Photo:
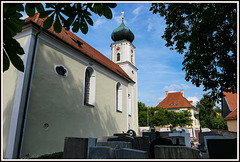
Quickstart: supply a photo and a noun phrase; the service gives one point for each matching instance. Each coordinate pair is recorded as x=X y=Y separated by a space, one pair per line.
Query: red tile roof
x=85 y=48
x=232 y=115
x=232 y=103
x=231 y=99
x=175 y=100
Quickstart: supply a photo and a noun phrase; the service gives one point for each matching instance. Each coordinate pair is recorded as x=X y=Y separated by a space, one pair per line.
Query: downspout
x=28 y=95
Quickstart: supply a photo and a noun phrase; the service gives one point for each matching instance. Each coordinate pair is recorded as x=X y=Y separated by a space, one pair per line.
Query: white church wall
x=10 y=78
x=55 y=108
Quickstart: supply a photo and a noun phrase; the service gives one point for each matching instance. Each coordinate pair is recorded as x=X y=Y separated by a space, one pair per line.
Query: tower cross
x=122 y=14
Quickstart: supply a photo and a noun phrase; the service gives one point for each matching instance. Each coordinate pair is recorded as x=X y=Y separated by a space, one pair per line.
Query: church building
x=68 y=89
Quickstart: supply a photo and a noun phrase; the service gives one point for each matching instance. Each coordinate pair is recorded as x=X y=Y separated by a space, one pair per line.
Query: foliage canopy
x=206 y=33
x=74 y=16
x=208 y=114
x=162 y=117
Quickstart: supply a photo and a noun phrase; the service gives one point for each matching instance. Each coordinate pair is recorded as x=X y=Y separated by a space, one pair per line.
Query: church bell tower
x=122 y=50
x=123 y=54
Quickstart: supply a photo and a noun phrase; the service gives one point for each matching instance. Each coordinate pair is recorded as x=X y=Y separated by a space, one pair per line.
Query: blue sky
x=159 y=68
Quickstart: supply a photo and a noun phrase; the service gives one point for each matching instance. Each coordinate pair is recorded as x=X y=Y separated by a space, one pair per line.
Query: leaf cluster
x=12 y=24
x=206 y=33
x=208 y=116
x=74 y=16
x=162 y=117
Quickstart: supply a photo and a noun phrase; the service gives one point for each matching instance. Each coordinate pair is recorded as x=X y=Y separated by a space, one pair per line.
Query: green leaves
x=208 y=116
x=160 y=117
x=206 y=42
x=48 y=22
x=75 y=15
x=12 y=24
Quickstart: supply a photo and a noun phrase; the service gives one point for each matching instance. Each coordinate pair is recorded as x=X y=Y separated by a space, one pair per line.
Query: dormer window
x=172 y=104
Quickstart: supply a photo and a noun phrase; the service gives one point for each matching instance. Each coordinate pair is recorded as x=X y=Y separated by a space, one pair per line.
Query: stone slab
x=105 y=138
x=91 y=143
x=102 y=152
x=187 y=139
x=175 y=152
x=126 y=153
x=222 y=148
x=141 y=143
x=75 y=148
x=116 y=144
x=215 y=137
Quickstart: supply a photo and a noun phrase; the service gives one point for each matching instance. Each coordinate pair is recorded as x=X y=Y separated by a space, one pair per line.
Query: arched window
x=129 y=105
x=118 y=56
x=118 y=97
x=89 y=88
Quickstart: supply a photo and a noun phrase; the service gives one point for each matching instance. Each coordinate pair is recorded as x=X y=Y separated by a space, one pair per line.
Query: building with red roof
x=230 y=110
x=68 y=89
x=175 y=101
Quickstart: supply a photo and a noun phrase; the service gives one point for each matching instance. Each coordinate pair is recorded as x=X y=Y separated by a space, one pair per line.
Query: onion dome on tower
x=122 y=33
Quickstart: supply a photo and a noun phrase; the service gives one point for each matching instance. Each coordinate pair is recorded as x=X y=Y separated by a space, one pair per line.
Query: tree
x=162 y=117
x=180 y=118
x=74 y=16
x=158 y=117
x=142 y=114
x=206 y=33
x=208 y=116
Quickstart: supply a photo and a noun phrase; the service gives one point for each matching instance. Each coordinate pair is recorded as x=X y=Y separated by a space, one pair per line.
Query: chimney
x=182 y=92
x=166 y=93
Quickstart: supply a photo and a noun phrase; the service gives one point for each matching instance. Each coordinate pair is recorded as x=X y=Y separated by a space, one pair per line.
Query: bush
x=56 y=155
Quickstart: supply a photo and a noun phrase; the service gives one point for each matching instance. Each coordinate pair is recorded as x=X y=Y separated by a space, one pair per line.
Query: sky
x=159 y=68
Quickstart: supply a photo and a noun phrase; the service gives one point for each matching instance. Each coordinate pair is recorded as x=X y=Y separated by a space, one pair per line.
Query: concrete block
x=175 y=152
x=116 y=144
x=141 y=143
x=101 y=152
x=222 y=148
x=126 y=153
x=75 y=148
x=105 y=139
x=187 y=139
x=91 y=143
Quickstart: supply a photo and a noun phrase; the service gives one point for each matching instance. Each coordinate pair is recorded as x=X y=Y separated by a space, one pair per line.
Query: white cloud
x=99 y=22
x=118 y=19
x=194 y=99
x=150 y=26
x=137 y=10
x=174 y=87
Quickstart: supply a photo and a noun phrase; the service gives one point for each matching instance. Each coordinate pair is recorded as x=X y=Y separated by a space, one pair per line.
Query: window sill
x=119 y=111
x=86 y=104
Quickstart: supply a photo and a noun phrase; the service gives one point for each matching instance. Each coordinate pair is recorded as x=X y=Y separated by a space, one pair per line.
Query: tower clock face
x=118 y=48
x=131 y=50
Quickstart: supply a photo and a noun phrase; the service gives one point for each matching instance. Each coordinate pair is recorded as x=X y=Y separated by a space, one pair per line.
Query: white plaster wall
x=58 y=101
x=9 y=87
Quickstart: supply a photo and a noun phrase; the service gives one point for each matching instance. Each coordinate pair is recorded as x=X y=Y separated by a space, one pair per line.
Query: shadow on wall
x=7 y=113
x=56 y=107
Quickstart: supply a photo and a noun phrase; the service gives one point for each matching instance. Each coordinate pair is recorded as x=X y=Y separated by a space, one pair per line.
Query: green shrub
x=56 y=155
